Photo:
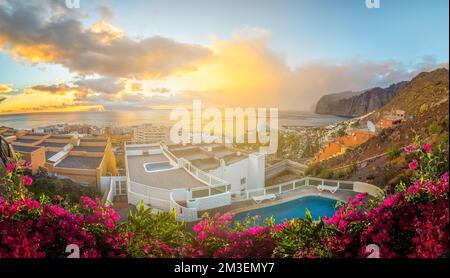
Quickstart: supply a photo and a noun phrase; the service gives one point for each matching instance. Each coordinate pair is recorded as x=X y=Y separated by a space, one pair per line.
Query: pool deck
x=248 y=205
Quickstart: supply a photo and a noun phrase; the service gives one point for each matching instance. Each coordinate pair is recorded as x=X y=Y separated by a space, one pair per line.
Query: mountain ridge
x=360 y=103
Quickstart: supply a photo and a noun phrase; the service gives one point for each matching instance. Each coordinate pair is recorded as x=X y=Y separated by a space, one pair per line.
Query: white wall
x=209 y=202
x=233 y=174
x=256 y=171
x=363 y=187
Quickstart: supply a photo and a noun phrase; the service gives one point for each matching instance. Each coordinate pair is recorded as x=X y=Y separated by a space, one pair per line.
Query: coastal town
x=234 y=137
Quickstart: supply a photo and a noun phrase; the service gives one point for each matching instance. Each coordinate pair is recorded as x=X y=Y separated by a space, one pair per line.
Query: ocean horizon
x=132 y=118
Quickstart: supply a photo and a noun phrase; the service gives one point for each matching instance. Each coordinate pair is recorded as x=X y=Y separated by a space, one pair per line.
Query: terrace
x=192 y=153
x=27 y=149
x=26 y=141
x=93 y=140
x=80 y=162
x=60 y=137
x=52 y=144
x=89 y=149
x=167 y=179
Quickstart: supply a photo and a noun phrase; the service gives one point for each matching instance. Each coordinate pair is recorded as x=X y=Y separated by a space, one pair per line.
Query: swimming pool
x=318 y=206
x=158 y=166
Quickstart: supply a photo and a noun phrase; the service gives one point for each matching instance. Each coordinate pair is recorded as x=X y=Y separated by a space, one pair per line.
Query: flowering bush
x=217 y=237
x=15 y=177
x=413 y=223
x=30 y=229
x=301 y=238
x=411 y=220
x=36 y=229
x=154 y=234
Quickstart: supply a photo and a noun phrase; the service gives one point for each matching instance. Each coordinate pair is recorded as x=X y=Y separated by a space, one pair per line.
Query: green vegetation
x=423 y=91
x=394 y=152
x=148 y=226
x=66 y=188
x=314 y=169
x=340 y=133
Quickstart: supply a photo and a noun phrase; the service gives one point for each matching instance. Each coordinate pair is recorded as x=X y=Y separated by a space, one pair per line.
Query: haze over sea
x=131 y=118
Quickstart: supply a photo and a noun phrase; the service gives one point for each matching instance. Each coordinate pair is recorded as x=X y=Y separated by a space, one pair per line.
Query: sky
x=127 y=55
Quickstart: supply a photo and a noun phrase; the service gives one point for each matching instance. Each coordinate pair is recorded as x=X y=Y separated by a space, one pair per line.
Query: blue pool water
x=158 y=166
x=318 y=206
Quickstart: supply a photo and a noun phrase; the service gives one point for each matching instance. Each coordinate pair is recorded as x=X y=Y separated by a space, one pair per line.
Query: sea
x=132 y=118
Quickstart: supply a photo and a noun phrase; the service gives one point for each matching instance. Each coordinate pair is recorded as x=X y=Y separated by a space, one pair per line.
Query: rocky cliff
x=353 y=104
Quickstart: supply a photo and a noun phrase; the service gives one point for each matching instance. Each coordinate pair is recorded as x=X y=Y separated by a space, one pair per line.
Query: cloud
x=45 y=32
x=104 y=85
x=5 y=88
x=106 y=12
x=57 y=97
x=57 y=89
x=244 y=71
x=160 y=90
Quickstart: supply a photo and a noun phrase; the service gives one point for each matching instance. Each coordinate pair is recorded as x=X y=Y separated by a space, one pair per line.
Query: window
x=243 y=181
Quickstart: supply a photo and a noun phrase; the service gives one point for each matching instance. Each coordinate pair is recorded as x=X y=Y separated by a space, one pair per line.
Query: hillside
x=420 y=94
x=358 y=104
x=378 y=161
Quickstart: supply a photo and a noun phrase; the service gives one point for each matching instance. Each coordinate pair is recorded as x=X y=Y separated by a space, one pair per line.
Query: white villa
x=188 y=178
x=191 y=179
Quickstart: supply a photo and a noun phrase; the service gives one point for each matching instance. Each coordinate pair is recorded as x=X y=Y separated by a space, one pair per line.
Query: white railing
x=151 y=196
x=197 y=173
x=182 y=213
x=310 y=182
x=209 y=202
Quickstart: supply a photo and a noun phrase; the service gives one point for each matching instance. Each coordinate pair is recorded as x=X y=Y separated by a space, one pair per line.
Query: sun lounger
x=332 y=189
x=259 y=199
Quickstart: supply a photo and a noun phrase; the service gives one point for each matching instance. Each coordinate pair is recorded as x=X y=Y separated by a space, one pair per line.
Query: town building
x=148 y=133
x=392 y=119
x=83 y=159
x=340 y=144
x=389 y=121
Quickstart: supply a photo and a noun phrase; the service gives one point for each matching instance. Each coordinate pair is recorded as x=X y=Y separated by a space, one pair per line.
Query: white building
x=190 y=178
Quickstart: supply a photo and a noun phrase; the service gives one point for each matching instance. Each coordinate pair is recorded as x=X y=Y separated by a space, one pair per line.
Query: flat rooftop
x=27 y=149
x=142 y=148
x=8 y=133
x=206 y=164
x=192 y=153
x=168 y=179
x=60 y=137
x=89 y=149
x=80 y=162
x=92 y=139
x=52 y=144
x=203 y=155
x=28 y=141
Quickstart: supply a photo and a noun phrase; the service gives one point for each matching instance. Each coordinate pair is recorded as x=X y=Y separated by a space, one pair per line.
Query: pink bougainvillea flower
x=427 y=148
x=411 y=148
x=413 y=165
x=10 y=166
x=27 y=180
